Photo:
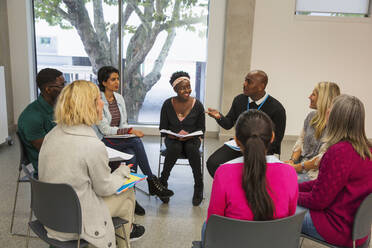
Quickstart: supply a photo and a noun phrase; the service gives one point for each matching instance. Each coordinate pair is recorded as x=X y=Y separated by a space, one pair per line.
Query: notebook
x=232 y=144
x=129 y=183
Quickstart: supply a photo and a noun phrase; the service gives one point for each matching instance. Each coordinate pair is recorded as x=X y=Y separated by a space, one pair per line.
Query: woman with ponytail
x=258 y=187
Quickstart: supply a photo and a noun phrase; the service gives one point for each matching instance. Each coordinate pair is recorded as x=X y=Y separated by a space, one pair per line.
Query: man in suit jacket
x=254 y=96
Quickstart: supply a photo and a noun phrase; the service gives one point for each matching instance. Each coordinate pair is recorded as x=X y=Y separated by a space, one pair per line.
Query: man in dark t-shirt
x=36 y=120
x=254 y=97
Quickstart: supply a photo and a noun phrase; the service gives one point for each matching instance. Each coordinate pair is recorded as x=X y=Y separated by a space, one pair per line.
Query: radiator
x=4 y=133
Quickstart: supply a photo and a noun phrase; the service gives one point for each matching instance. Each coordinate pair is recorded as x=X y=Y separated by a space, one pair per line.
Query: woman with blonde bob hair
x=78 y=104
x=344 y=179
x=306 y=151
x=72 y=153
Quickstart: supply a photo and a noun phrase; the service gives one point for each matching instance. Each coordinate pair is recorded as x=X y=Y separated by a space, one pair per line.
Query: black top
x=193 y=122
x=272 y=107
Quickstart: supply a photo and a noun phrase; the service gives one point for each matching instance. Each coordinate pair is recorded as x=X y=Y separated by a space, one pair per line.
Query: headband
x=179 y=80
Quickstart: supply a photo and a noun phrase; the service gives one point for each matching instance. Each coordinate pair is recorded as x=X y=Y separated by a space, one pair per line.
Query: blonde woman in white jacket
x=71 y=153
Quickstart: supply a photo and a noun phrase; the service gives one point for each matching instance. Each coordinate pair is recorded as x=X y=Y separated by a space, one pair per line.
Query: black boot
x=156 y=188
x=198 y=195
x=139 y=210
x=165 y=184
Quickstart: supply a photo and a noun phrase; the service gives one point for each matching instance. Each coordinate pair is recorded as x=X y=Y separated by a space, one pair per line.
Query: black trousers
x=221 y=156
x=190 y=149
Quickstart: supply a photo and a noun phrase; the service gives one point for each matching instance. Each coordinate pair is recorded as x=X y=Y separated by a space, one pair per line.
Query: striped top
x=115 y=117
x=115 y=113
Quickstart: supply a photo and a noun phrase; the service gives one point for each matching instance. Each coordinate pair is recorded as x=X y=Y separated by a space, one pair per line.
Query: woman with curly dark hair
x=183 y=114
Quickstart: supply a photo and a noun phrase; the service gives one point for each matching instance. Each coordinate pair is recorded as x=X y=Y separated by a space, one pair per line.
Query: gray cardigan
x=104 y=128
x=74 y=155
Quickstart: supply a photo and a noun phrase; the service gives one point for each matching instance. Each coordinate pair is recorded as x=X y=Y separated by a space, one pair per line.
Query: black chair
x=222 y=232
x=25 y=166
x=361 y=226
x=163 y=153
x=57 y=206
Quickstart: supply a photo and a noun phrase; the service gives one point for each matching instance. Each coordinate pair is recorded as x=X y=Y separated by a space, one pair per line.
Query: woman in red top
x=344 y=179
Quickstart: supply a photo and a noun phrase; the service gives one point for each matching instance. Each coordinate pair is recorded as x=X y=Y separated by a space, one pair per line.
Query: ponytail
x=254 y=132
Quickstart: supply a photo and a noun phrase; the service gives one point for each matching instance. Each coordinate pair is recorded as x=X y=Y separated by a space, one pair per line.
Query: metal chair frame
x=71 y=214
x=361 y=226
x=23 y=163
x=163 y=150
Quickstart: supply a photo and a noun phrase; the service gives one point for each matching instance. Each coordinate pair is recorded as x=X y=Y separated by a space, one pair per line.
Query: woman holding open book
x=72 y=154
x=183 y=115
x=114 y=122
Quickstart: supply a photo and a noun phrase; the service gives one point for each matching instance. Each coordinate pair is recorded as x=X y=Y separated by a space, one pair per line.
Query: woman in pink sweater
x=260 y=187
x=344 y=179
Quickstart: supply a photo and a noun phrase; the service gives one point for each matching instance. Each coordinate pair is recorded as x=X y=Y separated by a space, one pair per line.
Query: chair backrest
x=233 y=233
x=23 y=158
x=56 y=206
x=363 y=219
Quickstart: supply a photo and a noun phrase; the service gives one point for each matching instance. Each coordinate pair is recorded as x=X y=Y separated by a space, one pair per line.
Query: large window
x=158 y=37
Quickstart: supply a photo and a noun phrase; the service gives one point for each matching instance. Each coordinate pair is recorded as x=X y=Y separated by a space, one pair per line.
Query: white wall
x=299 y=51
x=216 y=34
x=21 y=50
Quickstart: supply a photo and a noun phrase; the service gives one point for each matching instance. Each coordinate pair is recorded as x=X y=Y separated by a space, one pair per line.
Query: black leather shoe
x=139 y=210
x=198 y=196
x=156 y=188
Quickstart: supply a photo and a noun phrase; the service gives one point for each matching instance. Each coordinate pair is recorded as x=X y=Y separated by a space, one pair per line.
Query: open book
x=134 y=178
x=197 y=133
x=120 y=136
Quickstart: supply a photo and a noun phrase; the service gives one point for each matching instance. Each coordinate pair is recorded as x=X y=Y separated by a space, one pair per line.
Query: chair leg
x=125 y=235
x=28 y=230
x=142 y=190
x=78 y=242
x=159 y=165
x=302 y=240
x=15 y=203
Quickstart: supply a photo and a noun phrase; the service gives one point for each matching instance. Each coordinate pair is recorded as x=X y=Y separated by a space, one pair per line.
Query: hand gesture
x=213 y=113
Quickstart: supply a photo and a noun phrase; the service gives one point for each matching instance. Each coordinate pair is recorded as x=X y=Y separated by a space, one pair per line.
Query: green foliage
x=47 y=10
x=110 y=2
x=131 y=29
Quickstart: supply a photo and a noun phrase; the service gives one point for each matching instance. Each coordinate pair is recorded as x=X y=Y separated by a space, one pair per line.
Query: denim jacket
x=104 y=128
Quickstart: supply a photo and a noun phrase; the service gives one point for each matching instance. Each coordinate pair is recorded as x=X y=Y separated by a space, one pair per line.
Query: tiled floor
x=175 y=224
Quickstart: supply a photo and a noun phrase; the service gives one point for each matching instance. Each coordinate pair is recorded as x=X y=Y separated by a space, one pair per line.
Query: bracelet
x=303 y=166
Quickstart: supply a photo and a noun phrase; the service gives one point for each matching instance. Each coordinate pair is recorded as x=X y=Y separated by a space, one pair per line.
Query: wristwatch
x=303 y=167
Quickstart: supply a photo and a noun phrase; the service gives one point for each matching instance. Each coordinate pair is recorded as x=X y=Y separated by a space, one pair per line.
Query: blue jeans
x=132 y=146
x=308 y=227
